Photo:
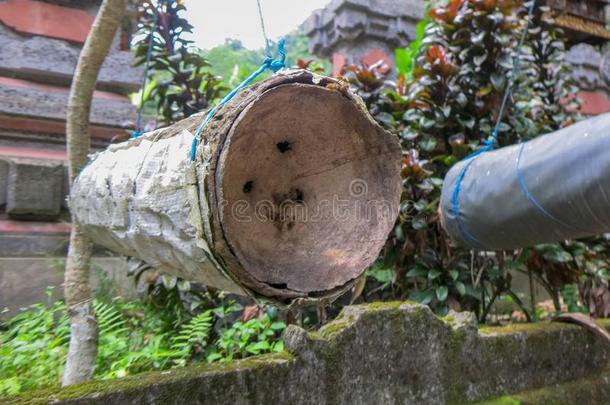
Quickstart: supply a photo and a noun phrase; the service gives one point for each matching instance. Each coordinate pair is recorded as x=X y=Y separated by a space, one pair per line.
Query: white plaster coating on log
x=142 y=201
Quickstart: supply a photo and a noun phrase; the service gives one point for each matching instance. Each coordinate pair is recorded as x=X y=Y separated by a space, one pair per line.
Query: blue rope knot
x=280 y=63
x=275 y=65
x=136 y=134
x=490 y=143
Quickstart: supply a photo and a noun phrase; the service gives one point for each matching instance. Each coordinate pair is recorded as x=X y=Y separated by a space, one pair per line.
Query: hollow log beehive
x=291 y=196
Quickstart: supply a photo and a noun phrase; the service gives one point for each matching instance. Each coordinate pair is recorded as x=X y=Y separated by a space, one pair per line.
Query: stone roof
x=392 y=21
x=584 y=18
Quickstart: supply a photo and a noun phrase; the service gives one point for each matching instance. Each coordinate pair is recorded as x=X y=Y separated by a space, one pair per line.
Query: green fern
x=193 y=335
x=109 y=319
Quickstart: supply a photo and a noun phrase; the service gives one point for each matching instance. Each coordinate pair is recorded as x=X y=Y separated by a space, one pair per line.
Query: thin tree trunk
x=82 y=352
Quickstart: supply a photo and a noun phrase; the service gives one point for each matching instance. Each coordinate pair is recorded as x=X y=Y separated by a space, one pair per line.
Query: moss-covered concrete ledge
x=385 y=353
x=584 y=391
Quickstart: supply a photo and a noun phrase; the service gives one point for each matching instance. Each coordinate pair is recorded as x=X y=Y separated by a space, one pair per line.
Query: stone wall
x=591 y=70
x=385 y=353
x=40 y=42
x=34 y=234
x=53 y=61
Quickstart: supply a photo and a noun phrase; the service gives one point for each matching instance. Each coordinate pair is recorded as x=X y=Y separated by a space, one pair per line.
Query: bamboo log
x=291 y=197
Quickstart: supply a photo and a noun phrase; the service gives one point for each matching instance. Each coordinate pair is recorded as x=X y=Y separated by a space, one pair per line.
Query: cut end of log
x=308 y=188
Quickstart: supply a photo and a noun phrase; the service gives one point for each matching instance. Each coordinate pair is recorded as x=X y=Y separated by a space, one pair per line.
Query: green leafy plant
x=193 y=337
x=405 y=57
x=181 y=83
x=252 y=337
x=442 y=106
x=135 y=337
x=34 y=348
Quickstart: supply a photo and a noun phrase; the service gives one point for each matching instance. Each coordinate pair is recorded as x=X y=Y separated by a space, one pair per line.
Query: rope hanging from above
x=274 y=65
x=263 y=30
x=490 y=142
x=138 y=131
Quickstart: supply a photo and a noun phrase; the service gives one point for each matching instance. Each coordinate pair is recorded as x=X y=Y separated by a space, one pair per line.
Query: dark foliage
x=180 y=81
x=442 y=106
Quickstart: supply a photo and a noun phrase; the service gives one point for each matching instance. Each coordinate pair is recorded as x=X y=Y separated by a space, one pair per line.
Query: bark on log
x=291 y=197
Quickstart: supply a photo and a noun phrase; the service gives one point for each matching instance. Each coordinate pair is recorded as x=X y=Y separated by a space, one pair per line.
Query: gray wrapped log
x=553 y=188
x=291 y=197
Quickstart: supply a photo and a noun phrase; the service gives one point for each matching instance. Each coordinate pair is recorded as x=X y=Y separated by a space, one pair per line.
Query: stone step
x=27 y=129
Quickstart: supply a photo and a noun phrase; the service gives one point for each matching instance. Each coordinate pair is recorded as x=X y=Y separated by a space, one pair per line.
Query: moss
x=147 y=379
x=523 y=328
x=505 y=400
x=594 y=390
x=381 y=305
x=605 y=323
x=457 y=380
x=332 y=329
x=447 y=319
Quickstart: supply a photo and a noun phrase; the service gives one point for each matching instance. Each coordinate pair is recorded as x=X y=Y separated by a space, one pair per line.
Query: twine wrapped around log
x=291 y=196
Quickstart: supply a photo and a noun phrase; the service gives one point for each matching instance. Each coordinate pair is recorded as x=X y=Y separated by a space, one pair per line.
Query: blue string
x=515 y=69
x=138 y=131
x=274 y=65
x=455 y=198
x=489 y=144
x=529 y=195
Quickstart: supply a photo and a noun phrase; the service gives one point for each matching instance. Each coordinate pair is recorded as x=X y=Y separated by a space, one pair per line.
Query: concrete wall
x=40 y=42
x=590 y=68
x=387 y=353
x=25 y=280
x=34 y=234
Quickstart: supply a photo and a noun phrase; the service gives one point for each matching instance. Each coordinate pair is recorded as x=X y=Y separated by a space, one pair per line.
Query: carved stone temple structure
x=366 y=31
x=40 y=42
x=362 y=31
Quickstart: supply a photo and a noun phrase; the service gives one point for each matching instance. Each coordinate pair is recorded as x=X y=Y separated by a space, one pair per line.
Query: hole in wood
x=294 y=195
x=248 y=186
x=299 y=196
x=283 y=146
